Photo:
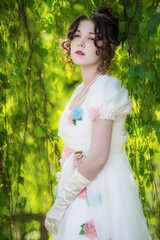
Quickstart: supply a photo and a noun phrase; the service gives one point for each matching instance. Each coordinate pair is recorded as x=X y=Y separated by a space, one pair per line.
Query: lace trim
x=105 y=116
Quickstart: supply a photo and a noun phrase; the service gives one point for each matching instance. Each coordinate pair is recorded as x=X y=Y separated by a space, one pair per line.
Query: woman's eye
x=75 y=35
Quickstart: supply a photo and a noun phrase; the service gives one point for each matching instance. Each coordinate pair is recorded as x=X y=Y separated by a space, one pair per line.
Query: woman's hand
x=77 y=163
x=65 y=197
x=53 y=218
x=78 y=157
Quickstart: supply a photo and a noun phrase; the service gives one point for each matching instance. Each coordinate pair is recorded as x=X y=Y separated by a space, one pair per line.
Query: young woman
x=97 y=193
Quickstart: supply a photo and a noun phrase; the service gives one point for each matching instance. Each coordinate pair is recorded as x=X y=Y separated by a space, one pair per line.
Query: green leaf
x=156 y=125
x=131 y=81
x=10 y=60
x=55 y=131
x=145 y=114
x=6 y=211
x=130 y=12
x=39 y=132
x=140 y=71
x=2 y=52
x=158 y=232
x=148 y=183
x=140 y=91
x=154 y=20
x=142 y=193
x=141 y=171
x=142 y=27
x=45 y=128
x=43 y=52
x=36 y=224
x=83 y=225
x=9 y=163
x=3 y=78
x=150 y=75
x=21 y=180
x=26 y=53
x=122 y=27
x=151 y=177
x=81 y=232
x=11 y=6
x=96 y=2
x=151 y=152
x=2 y=200
x=158 y=63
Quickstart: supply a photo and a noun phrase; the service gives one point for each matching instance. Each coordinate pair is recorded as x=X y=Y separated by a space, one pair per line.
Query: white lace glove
x=75 y=185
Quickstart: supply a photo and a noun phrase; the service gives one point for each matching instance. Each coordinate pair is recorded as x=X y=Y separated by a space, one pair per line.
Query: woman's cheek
x=91 y=48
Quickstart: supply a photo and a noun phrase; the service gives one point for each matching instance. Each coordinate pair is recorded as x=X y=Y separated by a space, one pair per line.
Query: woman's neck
x=89 y=74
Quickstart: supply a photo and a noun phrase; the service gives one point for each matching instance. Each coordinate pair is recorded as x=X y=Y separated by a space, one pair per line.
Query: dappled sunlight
x=35 y=88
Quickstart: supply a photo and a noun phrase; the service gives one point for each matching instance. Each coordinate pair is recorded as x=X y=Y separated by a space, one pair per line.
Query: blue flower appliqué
x=56 y=191
x=95 y=199
x=77 y=114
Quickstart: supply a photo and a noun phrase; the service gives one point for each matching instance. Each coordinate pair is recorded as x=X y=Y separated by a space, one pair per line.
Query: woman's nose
x=81 y=43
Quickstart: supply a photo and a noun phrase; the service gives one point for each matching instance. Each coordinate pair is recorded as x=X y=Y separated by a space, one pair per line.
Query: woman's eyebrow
x=89 y=32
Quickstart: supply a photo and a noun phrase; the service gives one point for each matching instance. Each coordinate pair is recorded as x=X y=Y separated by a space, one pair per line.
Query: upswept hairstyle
x=106 y=28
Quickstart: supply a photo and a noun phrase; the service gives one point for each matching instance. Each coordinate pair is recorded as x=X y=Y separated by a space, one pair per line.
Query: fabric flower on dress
x=78 y=155
x=58 y=176
x=83 y=193
x=56 y=191
x=88 y=229
x=62 y=160
x=67 y=151
x=69 y=118
x=94 y=113
x=96 y=199
x=87 y=202
x=75 y=114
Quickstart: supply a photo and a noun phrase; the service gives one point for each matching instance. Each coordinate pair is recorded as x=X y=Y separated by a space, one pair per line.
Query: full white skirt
x=113 y=203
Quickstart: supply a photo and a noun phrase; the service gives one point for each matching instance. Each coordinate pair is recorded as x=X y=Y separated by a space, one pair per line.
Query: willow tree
x=35 y=88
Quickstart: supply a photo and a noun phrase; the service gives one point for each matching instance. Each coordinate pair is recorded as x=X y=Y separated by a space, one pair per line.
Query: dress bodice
x=113 y=102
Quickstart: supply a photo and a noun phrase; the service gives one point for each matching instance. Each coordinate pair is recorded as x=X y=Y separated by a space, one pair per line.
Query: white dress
x=113 y=201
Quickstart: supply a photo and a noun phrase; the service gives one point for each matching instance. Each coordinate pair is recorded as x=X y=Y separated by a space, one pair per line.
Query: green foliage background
x=34 y=89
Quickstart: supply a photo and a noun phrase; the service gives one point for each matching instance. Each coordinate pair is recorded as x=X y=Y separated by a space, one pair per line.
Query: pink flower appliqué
x=58 y=176
x=65 y=154
x=67 y=149
x=83 y=193
x=78 y=155
x=69 y=118
x=94 y=112
x=62 y=160
x=89 y=229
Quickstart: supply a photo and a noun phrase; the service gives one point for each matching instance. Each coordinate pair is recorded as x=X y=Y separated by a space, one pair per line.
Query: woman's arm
x=100 y=149
x=90 y=167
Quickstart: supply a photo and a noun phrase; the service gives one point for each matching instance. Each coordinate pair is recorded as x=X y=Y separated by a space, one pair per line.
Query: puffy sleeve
x=107 y=99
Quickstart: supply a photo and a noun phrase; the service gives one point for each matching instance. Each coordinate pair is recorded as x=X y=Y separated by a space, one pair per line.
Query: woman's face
x=83 y=40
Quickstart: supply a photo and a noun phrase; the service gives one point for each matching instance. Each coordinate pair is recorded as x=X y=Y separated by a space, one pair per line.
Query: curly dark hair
x=106 y=28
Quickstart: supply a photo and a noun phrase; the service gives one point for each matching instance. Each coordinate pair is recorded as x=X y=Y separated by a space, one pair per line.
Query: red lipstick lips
x=80 y=53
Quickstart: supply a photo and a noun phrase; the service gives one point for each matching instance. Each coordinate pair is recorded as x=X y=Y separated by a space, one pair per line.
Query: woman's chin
x=79 y=62
x=84 y=64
